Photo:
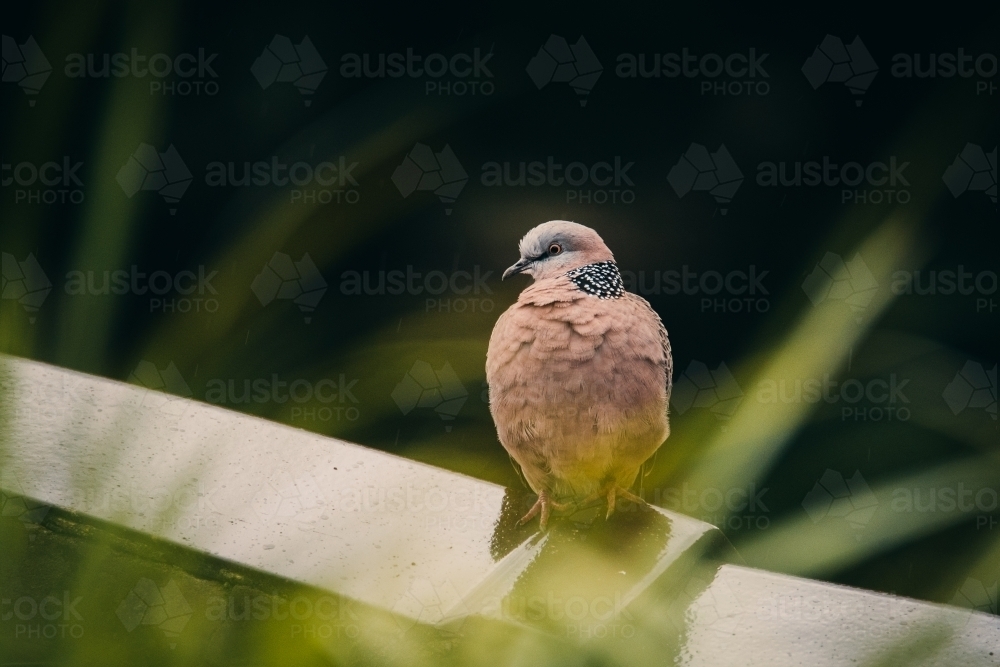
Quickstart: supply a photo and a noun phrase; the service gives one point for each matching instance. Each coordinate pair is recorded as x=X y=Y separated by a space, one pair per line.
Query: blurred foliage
x=785 y=448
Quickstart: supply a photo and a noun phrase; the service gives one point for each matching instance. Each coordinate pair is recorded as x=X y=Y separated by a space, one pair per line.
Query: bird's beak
x=518 y=267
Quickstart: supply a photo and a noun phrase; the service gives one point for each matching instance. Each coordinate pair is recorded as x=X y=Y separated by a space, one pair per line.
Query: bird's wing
x=611 y=354
x=668 y=358
x=649 y=319
x=517 y=469
x=511 y=331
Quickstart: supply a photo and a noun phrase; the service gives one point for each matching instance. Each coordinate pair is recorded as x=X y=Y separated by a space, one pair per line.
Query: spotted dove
x=579 y=373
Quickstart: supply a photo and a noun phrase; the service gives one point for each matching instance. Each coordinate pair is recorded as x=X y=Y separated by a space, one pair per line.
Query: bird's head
x=557 y=246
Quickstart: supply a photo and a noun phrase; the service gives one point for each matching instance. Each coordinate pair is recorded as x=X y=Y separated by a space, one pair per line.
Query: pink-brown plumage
x=578 y=384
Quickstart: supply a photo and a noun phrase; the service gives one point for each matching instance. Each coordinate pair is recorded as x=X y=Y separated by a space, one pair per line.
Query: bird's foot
x=544 y=506
x=611 y=494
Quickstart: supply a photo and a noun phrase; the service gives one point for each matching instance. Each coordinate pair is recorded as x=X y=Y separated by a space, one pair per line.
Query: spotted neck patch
x=600 y=279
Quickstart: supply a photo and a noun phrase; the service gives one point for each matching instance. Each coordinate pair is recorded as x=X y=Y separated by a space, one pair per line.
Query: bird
x=579 y=373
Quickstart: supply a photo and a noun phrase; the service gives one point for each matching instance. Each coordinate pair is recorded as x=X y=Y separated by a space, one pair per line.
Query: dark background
x=651 y=122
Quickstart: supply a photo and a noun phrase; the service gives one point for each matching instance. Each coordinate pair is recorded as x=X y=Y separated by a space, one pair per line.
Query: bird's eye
x=555 y=249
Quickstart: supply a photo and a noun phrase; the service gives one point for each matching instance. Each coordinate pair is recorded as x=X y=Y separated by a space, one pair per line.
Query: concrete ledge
x=431 y=547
